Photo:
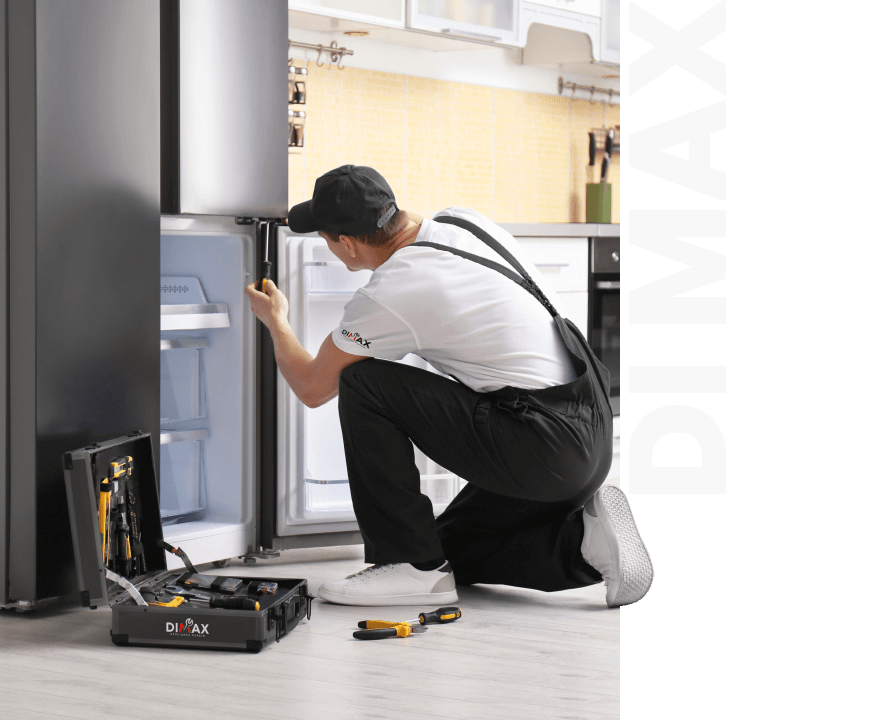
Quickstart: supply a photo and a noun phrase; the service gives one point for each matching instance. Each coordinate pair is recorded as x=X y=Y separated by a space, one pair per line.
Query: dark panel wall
x=21 y=148
x=4 y=289
x=93 y=174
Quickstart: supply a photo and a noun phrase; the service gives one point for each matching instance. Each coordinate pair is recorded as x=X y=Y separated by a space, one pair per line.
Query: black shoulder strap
x=523 y=279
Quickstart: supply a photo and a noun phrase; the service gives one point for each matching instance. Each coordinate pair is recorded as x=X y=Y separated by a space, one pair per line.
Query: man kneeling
x=526 y=419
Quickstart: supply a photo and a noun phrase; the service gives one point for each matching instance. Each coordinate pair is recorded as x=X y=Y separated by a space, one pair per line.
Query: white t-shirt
x=467 y=320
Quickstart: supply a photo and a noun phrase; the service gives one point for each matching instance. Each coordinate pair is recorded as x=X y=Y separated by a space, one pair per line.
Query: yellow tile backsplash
x=514 y=156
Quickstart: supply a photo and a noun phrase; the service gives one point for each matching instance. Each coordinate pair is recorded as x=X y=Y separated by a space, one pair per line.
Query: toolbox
x=113 y=497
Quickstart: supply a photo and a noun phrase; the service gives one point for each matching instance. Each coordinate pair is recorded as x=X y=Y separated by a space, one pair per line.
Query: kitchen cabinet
x=562 y=266
x=390 y=13
x=585 y=7
x=609 y=50
x=560 y=15
x=493 y=20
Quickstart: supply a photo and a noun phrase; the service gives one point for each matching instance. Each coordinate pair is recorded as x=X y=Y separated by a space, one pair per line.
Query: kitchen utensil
x=609 y=148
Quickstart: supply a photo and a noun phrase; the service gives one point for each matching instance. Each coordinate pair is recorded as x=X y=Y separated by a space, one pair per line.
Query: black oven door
x=603 y=309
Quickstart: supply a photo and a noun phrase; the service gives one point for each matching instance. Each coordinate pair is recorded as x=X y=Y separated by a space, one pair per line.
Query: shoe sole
x=628 y=551
x=386 y=600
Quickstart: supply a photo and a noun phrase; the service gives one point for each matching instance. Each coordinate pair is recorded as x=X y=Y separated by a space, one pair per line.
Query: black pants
x=529 y=472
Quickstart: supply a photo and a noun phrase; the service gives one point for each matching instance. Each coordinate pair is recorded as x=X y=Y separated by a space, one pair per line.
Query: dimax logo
x=186 y=629
x=356 y=338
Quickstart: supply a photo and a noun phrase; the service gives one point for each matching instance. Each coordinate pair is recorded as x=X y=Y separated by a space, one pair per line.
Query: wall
x=514 y=156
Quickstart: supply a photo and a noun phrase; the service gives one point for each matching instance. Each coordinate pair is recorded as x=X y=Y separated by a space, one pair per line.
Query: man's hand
x=270 y=307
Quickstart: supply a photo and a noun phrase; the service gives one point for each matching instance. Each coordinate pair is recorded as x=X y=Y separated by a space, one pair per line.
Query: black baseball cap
x=349 y=200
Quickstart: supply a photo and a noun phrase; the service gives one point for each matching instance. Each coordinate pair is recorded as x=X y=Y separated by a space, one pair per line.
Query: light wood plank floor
x=513 y=654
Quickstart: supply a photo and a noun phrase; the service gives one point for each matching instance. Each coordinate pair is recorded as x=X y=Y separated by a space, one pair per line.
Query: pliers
x=378 y=629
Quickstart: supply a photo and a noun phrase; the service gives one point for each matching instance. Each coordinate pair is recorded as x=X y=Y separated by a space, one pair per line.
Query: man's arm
x=314 y=381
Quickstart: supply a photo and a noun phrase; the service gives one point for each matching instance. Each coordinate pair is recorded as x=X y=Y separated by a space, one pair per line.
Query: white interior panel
x=206 y=474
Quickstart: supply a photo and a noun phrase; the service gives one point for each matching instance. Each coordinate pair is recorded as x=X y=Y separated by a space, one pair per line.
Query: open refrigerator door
x=313 y=496
x=207 y=426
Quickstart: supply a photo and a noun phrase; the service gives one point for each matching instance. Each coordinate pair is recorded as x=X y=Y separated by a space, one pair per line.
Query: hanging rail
x=592 y=89
x=336 y=53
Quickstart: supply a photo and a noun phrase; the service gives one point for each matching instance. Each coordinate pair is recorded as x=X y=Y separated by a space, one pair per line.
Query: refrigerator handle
x=267 y=403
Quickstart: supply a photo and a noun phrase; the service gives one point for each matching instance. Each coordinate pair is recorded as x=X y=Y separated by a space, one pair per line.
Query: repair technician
x=523 y=414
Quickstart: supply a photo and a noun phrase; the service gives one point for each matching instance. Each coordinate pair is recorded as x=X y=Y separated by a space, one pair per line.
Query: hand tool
x=122 y=468
x=592 y=155
x=123 y=551
x=379 y=629
x=439 y=616
x=140 y=564
x=609 y=147
x=188 y=594
x=104 y=517
x=212 y=582
x=267 y=265
x=174 y=602
x=237 y=602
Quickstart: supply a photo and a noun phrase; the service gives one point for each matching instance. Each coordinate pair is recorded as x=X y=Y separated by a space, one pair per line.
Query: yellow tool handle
x=176 y=602
x=102 y=520
x=128 y=548
x=378 y=624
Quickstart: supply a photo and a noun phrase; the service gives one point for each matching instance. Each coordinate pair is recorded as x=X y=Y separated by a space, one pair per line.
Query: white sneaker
x=613 y=546
x=395 y=584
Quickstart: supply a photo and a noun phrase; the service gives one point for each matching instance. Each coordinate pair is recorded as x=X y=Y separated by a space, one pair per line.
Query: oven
x=603 y=308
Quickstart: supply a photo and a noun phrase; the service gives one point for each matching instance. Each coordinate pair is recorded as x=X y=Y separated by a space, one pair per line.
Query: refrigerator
x=124 y=284
x=245 y=469
x=79 y=209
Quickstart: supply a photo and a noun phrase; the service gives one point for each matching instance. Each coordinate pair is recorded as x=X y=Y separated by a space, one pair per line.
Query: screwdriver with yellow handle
x=378 y=629
x=262 y=286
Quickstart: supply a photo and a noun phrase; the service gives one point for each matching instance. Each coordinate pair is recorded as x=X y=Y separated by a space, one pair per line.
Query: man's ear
x=350 y=246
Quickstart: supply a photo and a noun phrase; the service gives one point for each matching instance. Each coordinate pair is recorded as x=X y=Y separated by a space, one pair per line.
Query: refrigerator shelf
x=183 y=343
x=167 y=438
x=194 y=317
x=328 y=277
x=315 y=481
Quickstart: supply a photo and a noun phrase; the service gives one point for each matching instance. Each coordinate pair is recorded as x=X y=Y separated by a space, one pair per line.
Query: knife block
x=598 y=202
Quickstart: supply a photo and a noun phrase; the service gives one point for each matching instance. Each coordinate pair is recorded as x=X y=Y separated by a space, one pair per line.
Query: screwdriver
x=439 y=616
x=267 y=264
x=235 y=602
x=378 y=629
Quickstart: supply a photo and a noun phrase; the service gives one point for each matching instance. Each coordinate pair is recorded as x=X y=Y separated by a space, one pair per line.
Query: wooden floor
x=513 y=654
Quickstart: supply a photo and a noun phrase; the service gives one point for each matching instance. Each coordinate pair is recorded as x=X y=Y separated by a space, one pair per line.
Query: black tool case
x=192 y=625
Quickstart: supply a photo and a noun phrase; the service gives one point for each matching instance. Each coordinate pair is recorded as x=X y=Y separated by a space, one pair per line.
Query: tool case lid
x=84 y=469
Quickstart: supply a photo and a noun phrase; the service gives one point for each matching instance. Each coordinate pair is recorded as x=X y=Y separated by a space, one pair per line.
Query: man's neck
x=405 y=236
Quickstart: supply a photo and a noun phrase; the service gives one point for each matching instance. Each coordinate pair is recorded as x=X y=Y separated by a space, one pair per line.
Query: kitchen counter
x=562 y=229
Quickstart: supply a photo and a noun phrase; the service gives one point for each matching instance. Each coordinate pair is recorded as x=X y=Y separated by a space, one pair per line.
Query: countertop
x=562 y=229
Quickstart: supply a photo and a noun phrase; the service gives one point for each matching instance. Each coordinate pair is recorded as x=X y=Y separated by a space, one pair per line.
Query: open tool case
x=140 y=567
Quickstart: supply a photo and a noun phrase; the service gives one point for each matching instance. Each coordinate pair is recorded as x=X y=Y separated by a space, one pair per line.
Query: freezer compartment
x=206 y=452
x=313 y=484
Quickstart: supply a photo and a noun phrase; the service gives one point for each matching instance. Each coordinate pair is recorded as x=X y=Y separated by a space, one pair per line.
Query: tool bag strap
x=485 y=237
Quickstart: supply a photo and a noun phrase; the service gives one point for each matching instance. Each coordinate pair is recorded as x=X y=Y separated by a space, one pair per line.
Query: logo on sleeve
x=356 y=338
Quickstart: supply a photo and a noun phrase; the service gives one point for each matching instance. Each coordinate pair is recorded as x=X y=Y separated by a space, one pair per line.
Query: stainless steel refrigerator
x=245 y=468
x=124 y=305
x=79 y=208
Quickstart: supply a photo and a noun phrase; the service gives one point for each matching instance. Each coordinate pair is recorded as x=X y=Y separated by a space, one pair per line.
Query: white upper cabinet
x=586 y=7
x=610 y=46
x=488 y=20
x=382 y=12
